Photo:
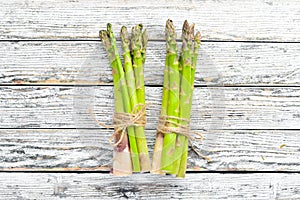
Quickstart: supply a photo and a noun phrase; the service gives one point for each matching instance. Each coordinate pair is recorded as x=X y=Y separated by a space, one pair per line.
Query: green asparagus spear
x=185 y=90
x=139 y=56
x=183 y=162
x=173 y=100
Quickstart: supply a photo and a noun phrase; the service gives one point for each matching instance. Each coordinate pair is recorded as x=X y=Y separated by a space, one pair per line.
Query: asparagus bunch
x=170 y=152
x=131 y=153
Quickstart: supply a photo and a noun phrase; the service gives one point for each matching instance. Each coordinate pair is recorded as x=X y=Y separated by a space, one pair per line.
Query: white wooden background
x=53 y=69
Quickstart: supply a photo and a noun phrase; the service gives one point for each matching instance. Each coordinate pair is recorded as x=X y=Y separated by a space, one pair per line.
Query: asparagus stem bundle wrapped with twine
x=130 y=146
x=173 y=131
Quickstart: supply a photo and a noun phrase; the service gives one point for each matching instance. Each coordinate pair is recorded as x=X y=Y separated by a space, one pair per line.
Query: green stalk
x=185 y=91
x=126 y=101
x=138 y=44
x=183 y=162
x=173 y=100
x=122 y=160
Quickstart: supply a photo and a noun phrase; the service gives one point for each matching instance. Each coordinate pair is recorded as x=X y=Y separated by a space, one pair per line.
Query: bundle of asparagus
x=171 y=147
x=130 y=147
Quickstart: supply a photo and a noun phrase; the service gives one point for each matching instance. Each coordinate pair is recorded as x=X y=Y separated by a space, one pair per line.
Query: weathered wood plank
x=147 y=186
x=86 y=63
x=86 y=149
x=218 y=20
x=213 y=107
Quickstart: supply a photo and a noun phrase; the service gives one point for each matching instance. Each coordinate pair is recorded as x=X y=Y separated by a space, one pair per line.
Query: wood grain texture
x=87 y=63
x=218 y=20
x=104 y=186
x=87 y=149
x=213 y=107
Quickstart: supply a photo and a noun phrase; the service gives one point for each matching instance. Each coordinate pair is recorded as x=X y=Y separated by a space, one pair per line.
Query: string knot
x=124 y=120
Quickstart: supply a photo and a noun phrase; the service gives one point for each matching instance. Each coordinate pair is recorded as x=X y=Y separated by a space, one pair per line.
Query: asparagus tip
x=109 y=27
x=137 y=28
x=124 y=32
x=169 y=25
x=191 y=31
x=124 y=36
x=137 y=37
x=103 y=34
x=198 y=37
x=170 y=30
x=185 y=25
x=185 y=33
x=124 y=28
x=192 y=28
